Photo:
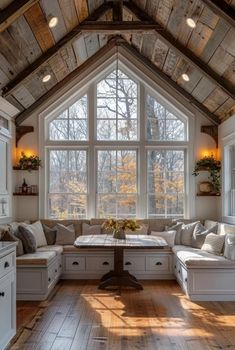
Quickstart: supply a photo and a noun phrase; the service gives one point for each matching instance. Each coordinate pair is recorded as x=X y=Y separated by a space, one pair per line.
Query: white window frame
x=145 y=85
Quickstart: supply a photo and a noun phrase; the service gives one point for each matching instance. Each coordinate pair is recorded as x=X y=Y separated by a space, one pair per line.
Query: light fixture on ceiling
x=52 y=21
x=46 y=78
x=185 y=77
x=190 y=22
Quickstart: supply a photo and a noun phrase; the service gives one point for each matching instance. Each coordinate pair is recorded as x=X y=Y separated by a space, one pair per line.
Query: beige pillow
x=229 y=246
x=169 y=236
x=91 y=229
x=187 y=233
x=65 y=234
x=9 y=236
x=200 y=233
x=37 y=231
x=213 y=244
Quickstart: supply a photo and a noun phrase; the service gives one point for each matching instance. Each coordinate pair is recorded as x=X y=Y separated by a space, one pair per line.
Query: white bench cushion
x=37 y=258
x=193 y=257
x=58 y=249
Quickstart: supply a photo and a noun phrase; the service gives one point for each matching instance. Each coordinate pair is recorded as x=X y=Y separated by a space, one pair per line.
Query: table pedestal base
x=119 y=277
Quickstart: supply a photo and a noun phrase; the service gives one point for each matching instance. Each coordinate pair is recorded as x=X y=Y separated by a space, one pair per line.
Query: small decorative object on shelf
x=28 y=163
x=24 y=187
x=213 y=166
x=206 y=187
x=119 y=226
x=26 y=190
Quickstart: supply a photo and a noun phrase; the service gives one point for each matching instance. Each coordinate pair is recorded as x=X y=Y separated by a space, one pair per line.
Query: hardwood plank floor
x=78 y=316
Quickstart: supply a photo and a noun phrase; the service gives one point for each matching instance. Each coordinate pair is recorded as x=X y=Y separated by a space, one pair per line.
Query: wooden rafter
x=222 y=9
x=97 y=56
x=118 y=27
x=117 y=10
x=183 y=51
x=13 y=11
x=54 y=49
x=155 y=70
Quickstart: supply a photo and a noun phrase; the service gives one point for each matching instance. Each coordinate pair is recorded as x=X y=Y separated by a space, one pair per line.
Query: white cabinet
x=7 y=294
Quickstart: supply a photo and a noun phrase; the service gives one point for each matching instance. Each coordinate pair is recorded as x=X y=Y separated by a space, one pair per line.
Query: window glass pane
x=166 y=183
x=117 y=100
x=162 y=125
x=67 y=183
x=70 y=124
x=116 y=183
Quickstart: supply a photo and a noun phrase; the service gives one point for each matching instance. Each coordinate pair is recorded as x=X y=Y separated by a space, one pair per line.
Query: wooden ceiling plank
x=92 y=44
x=103 y=39
x=221 y=60
x=137 y=40
x=170 y=62
x=176 y=17
x=186 y=53
x=195 y=77
x=7 y=68
x=203 y=89
x=181 y=67
x=148 y=45
x=118 y=27
x=13 y=11
x=35 y=86
x=3 y=79
x=80 y=50
x=223 y=110
x=229 y=73
x=151 y=7
x=215 y=100
x=69 y=13
x=23 y=35
x=23 y=96
x=78 y=71
x=53 y=50
x=222 y=9
x=155 y=70
x=199 y=38
x=82 y=9
x=59 y=67
x=93 y=5
x=15 y=103
x=163 y=12
x=38 y=23
x=68 y=55
x=160 y=53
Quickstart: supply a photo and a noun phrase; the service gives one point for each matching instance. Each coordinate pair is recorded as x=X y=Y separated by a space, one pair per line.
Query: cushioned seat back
x=209 y=224
x=223 y=229
x=77 y=224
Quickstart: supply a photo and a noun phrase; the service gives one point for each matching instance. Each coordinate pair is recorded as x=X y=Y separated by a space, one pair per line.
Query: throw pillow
x=169 y=236
x=28 y=239
x=187 y=233
x=213 y=244
x=91 y=229
x=65 y=234
x=200 y=233
x=229 y=246
x=176 y=227
x=10 y=237
x=50 y=234
x=37 y=230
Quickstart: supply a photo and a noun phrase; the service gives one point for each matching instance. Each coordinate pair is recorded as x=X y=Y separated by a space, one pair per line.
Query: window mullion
x=92 y=157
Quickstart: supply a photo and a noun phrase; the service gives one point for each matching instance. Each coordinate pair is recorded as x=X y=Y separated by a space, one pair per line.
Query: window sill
x=229 y=220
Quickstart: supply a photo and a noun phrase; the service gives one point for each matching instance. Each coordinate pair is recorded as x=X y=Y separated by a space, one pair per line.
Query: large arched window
x=117 y=150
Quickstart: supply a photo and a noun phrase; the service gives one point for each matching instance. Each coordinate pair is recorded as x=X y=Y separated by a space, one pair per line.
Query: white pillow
x=213 y=244
x=65 y=234
x=37 y=231
x=229 y=246
x=91 y=229
x=169 y=236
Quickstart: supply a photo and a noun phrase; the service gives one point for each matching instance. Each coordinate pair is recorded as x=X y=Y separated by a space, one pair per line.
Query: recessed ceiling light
x=46 y=78
x=191 y=23
x=185 y=77
x=52 y=21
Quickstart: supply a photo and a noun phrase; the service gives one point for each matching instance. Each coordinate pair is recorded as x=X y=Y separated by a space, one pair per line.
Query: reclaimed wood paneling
x=35 y=85
x=68 y=55
x=103 y=39
x=92 y=44
x=79 y=47
x=44 y=70
x=93 y=5
x=194 y=75
x=229 y=74
x=229 y=42
x=23 y=35
x=209 y=18
x=224 y=109
x=180 y=68
x=170 y=62
x=69 y=13
x=203 y=89
x=14 y=102
x=3 y=79
x=177 y=16
x=5 y=3
x=151 y=7
x=163 y=12
x=221 y=60
x=39 y=26
x=6 y=67
x=127 y=16
x=160 y=53
x=23 y=96
x=137 y=40
x=148 y=44
x=59 y=67
x=53 y=8
x=215 y=99
x=82 y=9
x=199 y=38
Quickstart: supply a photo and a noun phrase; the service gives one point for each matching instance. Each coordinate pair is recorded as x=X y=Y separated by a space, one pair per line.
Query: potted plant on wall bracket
x=28 y=162
x=213 y=166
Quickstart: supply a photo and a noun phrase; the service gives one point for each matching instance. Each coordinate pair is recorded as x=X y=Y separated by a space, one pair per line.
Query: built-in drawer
x=136 y=263
x=99 y=263
x=74 y=263
x=7 y=262
x=158 y=263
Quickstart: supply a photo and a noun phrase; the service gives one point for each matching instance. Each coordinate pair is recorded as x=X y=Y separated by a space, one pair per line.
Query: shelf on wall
x=25 y=194
x=208 y=195
x=18 y=168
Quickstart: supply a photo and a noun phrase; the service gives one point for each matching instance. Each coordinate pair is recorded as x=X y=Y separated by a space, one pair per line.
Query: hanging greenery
x=213 y=166
x=29 y=163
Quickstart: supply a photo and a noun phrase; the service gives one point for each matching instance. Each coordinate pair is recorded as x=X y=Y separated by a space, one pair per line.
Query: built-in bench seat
x=39 y=258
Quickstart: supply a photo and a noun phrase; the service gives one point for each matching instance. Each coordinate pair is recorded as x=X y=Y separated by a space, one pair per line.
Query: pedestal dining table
x=120 y=277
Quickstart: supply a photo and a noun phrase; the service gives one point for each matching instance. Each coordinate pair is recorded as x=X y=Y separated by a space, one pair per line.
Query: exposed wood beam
x=74 y=74
x=54 y=49
x=117 y=10
x=13 y=11
x=211 y=130
x=222 y=9
x=183 y=51
x=154 y=70
x=118 y=27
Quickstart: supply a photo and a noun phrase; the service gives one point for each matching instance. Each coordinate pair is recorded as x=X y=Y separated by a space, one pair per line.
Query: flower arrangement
x=213 y=166
x=29 y=163
x=118 y=226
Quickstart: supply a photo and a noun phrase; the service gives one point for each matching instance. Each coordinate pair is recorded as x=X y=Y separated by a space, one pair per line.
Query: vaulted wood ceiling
x=29 y=49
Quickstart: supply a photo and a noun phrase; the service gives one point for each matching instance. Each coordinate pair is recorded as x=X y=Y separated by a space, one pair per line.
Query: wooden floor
x=78 y=316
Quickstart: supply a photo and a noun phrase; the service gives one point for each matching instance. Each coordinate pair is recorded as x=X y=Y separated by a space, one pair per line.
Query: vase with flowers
x=119 y=226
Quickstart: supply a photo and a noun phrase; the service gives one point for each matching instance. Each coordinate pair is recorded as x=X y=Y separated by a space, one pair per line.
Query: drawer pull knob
x=60 y=265
x=55 y=271
x=49 y=279
x=186 y=280
x=178 y=271
x=2 y=294
x=6 y=264
x=75 y=263
x=128 y=263
x=158 y=263
x=175 y=266
x=105 y=263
